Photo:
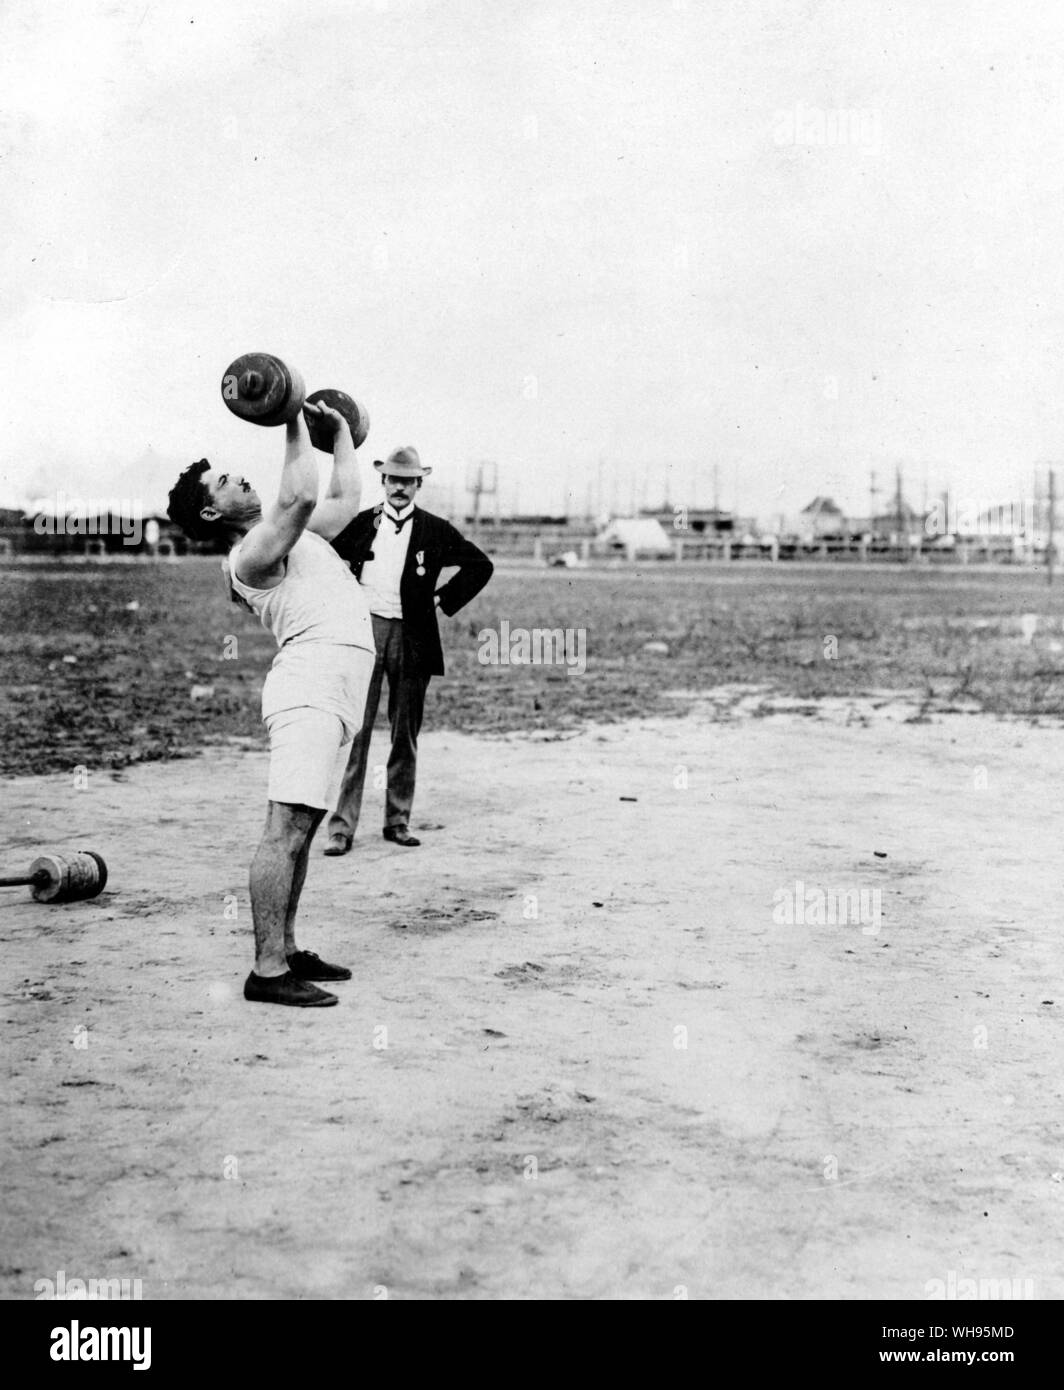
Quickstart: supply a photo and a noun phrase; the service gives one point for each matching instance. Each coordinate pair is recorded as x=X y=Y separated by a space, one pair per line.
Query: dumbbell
x=261 y=389
x=356 y=415
x=63 y=878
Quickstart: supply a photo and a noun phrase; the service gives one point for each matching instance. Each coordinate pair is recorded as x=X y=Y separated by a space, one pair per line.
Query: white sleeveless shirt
x=320 y=620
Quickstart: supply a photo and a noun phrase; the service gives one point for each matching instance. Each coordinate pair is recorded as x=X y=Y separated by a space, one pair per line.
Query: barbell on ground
x=63 y=878
x=261 y=389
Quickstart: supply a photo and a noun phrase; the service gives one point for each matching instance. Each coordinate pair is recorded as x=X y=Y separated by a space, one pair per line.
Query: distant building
x=636 y=535
x=895 y=526
x=821 y=519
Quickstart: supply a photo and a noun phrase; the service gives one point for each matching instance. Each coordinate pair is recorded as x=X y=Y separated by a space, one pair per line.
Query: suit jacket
x=442 y=546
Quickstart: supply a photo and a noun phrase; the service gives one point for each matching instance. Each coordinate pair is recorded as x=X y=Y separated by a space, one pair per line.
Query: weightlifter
x=282 y=567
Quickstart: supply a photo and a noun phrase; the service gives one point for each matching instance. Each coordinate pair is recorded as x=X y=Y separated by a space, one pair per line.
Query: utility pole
x=478 y=488
x=1050 y=543
x=735 y=492
x=873 y=493
x=898 y=500
x=481 y=488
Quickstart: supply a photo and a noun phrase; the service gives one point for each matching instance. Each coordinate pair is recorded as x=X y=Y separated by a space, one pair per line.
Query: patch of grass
x=142 y=636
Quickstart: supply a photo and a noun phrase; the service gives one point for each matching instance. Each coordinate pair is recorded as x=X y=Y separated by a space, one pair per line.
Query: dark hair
x=187 y=498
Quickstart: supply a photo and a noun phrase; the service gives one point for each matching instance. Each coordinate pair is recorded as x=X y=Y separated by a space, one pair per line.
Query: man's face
x=400 y=491
x=232 y=495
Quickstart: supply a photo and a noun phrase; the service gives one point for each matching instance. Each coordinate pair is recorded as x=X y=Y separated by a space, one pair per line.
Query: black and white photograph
x=533 y=659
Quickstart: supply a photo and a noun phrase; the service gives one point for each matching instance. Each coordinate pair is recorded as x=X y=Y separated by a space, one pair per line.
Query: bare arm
x=266 y=545
x=340 y=504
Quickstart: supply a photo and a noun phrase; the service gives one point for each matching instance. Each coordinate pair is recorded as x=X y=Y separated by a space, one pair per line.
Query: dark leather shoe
x=286 y=989
x=399 y=835
x=308 y=965
x=338 y=844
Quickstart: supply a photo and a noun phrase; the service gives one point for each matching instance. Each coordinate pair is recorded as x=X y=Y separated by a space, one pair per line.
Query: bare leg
x=273 y=878
x=298 y=876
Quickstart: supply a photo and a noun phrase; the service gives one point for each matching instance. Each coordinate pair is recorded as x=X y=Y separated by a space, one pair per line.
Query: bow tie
x=399 y=522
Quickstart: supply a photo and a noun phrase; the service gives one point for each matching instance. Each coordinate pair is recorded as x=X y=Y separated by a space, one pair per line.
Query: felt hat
x=402 y=463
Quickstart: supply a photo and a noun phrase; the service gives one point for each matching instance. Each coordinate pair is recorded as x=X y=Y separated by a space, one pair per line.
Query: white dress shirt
x=381 y=575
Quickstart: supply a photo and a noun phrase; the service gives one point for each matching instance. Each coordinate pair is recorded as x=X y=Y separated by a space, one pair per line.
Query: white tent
x=637 y=535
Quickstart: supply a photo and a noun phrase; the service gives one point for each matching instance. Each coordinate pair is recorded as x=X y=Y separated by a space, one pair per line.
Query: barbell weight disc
x=101 y=882
x=261 y=389
x=68 y=878
x=354 y=412
x=47 y=871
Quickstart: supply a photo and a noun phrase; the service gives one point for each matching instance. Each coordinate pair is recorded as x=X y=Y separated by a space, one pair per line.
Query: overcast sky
x=585 y=240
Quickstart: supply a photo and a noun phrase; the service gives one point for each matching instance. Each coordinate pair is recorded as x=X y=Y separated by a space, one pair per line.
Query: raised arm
x=340 y=504
x=266 y=544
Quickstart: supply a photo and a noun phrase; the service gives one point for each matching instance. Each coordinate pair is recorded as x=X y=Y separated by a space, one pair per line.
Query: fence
x=555 y=544
x=1001 y=550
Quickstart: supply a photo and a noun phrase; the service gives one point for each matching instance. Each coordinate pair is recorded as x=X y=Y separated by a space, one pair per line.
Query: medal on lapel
x=420 y=558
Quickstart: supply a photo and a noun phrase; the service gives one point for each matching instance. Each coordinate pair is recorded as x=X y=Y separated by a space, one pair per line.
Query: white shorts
x=309 y=749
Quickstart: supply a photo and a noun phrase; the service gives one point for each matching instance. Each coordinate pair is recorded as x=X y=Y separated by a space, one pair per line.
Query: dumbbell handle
x=41 y=876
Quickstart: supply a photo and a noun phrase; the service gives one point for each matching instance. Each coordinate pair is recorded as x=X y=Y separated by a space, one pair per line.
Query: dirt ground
x=579 y=1057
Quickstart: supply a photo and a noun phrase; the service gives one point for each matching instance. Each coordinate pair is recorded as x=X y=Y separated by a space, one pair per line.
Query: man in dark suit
x=396 y=551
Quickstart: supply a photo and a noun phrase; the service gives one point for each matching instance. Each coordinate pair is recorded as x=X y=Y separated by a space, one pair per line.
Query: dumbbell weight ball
x=356 y=415
x=261 y=389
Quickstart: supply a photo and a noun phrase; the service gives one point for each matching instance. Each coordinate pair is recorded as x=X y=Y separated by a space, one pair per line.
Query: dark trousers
x=406 y=708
